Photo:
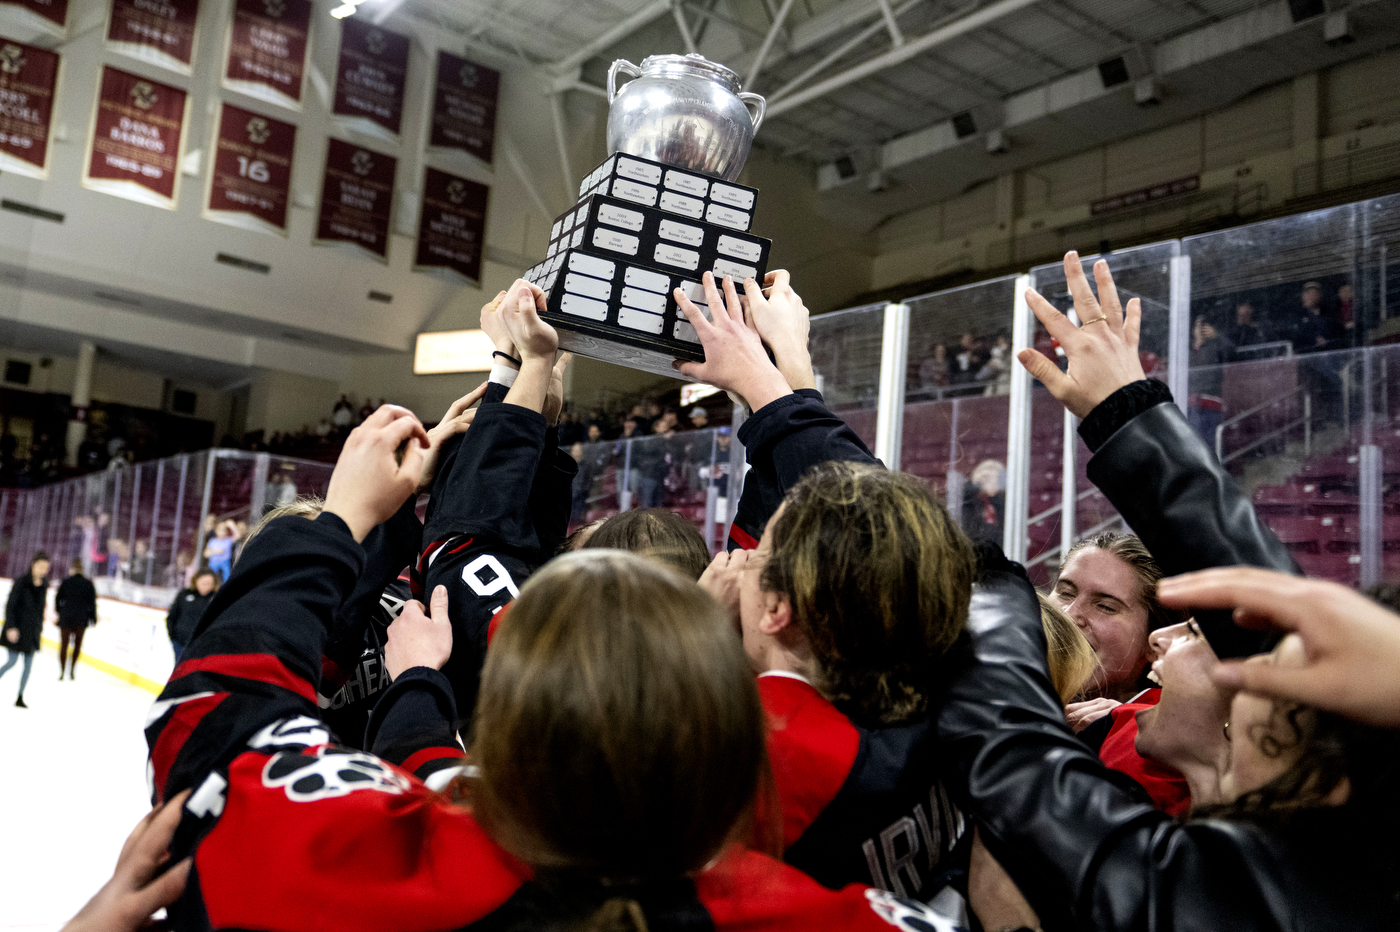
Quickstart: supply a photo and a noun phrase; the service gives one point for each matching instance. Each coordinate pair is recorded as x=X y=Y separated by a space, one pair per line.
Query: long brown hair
x=879 y=578
x=618 y=732
x=657 y=533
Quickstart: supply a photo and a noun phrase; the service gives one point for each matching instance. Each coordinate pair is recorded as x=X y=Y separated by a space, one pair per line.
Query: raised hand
x=417 y=639
x=369 y=483
x=1351 y=645
x=458 y=418
x=1102 y=351
x=494 y=325
x=125 y=903
x=554 y=399
x=721 y=579
x=520 y=313
x=735 y=359
x=781 y=319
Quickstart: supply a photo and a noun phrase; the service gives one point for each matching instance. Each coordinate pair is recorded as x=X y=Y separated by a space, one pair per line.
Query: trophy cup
x=658 y=213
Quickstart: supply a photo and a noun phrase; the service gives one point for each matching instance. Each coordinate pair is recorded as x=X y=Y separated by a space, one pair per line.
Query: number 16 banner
x=251 y=179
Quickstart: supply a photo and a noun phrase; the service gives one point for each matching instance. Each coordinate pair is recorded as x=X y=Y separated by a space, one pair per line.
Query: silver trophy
x=659 y=212
x=685 y=111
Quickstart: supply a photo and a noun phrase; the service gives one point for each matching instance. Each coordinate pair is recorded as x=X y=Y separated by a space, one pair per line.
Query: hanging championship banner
x=28 y=82
x=357 y=198
x=369 y=80
x=157 y=31
x=464 y=106
x=51 y=15
x=137 y=134
x=267 y=47
x=250 y=181
x=451 y=225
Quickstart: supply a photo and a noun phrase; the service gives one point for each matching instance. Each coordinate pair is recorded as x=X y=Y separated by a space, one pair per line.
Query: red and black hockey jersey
x=290 y=831
x=862 y=804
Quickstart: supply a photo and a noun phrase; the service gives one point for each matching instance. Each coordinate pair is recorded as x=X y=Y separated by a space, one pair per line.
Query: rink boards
x=128 y=642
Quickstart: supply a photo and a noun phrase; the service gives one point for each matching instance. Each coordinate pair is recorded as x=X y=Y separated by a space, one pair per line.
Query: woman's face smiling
x=1103 y=596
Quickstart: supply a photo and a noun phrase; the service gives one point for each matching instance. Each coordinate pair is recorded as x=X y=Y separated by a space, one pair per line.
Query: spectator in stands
x=76 y=603
x=282 y=489
x=699 y=418
x=1344 y=311
x=188 y=608
x=324 y=429
x=997 y=368
x=595 y=433
x=983 y=513
x=343 y=416
x=366 y=410
x=1245 y=331
x=24 y=619
x=582 y=485
x=723 y=441
x=969 y=360
x=140 y=563
x=1209 y=351
x=218 y=552
x=1315 y=330
x=655 y=457
x=177 y=574
x=933 y=371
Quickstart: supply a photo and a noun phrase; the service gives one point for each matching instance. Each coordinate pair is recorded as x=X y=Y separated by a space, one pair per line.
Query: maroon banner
x=251 y=180
x=54 y=11
x=267 y=49
x=136 y=138
x=158 y=31
x=452 y=225
x=369 y=80
x=464 y=106
x=28 y=80
x=357 y=198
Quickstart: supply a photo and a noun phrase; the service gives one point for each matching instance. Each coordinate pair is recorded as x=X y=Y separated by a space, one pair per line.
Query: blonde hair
x=1071 y=659
x=307 y=506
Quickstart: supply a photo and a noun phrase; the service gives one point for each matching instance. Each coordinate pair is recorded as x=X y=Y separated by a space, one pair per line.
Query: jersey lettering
x=486 y=577
x=893 y=855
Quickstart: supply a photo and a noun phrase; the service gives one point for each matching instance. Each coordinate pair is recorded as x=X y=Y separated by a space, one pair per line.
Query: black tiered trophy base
x=614 y=261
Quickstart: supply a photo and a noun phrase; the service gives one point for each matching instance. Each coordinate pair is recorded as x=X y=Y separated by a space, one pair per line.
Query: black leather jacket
x=1177 y=497
x=1083 y=842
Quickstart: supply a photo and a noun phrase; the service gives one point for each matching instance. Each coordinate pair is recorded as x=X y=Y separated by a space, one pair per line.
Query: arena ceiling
x=928 y=59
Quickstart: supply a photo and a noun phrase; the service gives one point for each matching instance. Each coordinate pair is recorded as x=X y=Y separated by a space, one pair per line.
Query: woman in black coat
x=24 y=619
x=77 y=608
x=188 y=608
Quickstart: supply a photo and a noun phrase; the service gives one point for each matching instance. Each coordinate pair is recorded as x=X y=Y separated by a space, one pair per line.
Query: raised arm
x=480 y=537
x=790 y=430
x=1147 y=461
x=255 y=659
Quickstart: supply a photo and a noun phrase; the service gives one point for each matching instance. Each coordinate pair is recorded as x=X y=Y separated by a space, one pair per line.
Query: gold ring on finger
x=1095 y=320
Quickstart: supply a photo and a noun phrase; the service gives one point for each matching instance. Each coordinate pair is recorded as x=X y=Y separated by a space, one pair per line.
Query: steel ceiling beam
x=652 y=11
x=836 y=54
x=768 y=41
x=684 y=28
x=895 y=56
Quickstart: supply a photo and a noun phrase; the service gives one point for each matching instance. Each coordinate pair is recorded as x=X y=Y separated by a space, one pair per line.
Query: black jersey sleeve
x=413 y=726
x=552 y=497
x=480 y=538
x=254 y=661
x=389 y=549
x=783 y=440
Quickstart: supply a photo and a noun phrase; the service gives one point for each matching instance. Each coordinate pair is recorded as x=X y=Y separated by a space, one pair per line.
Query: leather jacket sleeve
x=1187 y=509
x=1081 y=841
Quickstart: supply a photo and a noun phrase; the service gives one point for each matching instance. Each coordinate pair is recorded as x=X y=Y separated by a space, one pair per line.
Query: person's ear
x=777 y=613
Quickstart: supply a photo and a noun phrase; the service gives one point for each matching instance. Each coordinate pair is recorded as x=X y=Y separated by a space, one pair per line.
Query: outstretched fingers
x=1085 y=304
x=1109 y=305
x=1056 y=324
x=1043 y=369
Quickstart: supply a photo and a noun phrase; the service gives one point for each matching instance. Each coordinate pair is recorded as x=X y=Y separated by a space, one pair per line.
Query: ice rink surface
x=72 y=787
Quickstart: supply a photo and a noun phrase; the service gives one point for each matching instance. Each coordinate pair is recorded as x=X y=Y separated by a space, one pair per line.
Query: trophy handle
x=749 y=99
x=624 y=66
